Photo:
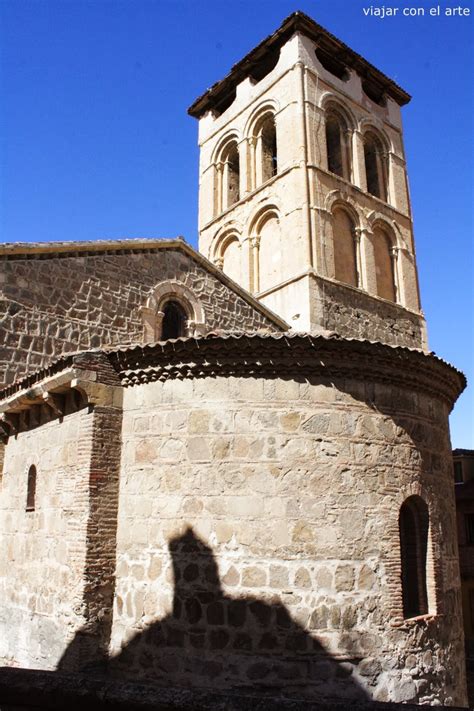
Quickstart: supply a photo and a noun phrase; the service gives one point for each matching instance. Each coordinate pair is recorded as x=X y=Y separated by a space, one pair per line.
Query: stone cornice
x=285 y=355
x=289 y=355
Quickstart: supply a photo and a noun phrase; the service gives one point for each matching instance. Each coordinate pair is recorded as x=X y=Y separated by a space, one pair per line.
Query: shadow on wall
x=210 y=639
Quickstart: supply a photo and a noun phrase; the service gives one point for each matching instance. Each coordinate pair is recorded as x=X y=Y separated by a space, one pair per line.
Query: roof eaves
x=296 y=22
x=13 y=249
x=37 y=249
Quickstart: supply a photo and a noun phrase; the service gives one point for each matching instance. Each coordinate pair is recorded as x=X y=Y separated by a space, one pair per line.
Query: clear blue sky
x=96 y=142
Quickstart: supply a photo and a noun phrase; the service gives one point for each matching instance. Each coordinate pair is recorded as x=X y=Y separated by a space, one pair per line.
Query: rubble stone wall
x=354 y=314
x=258 y=542
x=43 y=552
x=60 y=303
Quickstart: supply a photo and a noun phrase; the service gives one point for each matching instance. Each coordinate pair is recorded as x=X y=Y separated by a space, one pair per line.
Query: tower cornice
x=328 y=44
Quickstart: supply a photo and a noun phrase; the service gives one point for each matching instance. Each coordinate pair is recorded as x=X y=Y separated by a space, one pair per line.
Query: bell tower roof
x=331 y=52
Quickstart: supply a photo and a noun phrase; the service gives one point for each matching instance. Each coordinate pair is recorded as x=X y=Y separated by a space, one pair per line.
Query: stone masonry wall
x=43 y=552
x=59 y=303
x=258 y=543
x=354 y=314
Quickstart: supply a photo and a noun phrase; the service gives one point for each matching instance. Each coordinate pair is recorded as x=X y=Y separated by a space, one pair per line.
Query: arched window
x=172 y=310
x=375 y=166
x=230 y=175
x=31 y=489
x=263 y=156
x=345 y=249
x=413 y=526
x=337 y=144
x=269 y=149
x=174 y=321
x=384 y=258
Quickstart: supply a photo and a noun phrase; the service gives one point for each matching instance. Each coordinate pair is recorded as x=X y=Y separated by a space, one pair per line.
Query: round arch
x=232 y=136
x=377 y=219
x=329 y=101
x=261 y=216
x=367 y=125
x=346 y=202
x=226 y=234
x=259 y=113
x=153 y=312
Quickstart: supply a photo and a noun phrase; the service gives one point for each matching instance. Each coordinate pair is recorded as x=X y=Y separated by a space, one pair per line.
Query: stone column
x=251 y=167
x=383 y=170
x=219 y=191
x=243 y=168
x=365 y=256
x=347 y=154
x=255 y=265
x=360 y=275
x=396 y=276
x=358 y=160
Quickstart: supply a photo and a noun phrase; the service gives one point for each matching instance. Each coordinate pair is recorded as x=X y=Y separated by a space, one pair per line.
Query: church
x=231 y=468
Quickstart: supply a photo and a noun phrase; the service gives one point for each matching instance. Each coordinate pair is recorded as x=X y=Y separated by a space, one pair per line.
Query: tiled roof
x=268 y=355
x=297 y=22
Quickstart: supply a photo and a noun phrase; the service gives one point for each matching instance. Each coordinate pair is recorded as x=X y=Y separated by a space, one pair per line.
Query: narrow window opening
x=458 y=473
x=269 y=149
x=413 y=527
x=471 y=611
x=370 y=155
x=174 y=321
x=334 y=147
x=233 y=175
x=469 y=519
x=374 y=169
x=31 y=489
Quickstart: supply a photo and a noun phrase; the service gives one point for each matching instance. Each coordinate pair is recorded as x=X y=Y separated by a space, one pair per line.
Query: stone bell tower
x=303 y=194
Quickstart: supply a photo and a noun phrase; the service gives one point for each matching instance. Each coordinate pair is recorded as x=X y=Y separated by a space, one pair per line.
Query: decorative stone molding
x=152 y=313
x=230 y=232
x=329 y=100
x=338 y=198
x=261 y=110
x=261 y=216
x=296 y=355
x=370 y=124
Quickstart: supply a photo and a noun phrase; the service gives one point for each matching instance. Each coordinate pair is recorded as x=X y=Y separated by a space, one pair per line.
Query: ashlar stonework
x=233 y=472
x=205 y=559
